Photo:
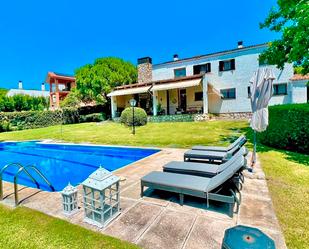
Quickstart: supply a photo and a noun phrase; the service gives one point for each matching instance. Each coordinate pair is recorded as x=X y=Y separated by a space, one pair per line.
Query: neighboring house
x=60 y=86
x=211 y=83
x=33 y=93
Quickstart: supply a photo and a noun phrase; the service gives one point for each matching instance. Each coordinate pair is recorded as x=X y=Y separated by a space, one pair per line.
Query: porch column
x=154 y=103
x=205 y=95
x=113 y=106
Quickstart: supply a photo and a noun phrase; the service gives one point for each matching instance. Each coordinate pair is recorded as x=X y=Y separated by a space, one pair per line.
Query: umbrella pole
x=253 y=159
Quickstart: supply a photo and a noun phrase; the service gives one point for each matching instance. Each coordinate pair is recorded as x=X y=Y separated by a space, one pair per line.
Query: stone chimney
x=43 y=87
x=176 y=58
x=240 y=44
x=20 y=84
x=144 y=70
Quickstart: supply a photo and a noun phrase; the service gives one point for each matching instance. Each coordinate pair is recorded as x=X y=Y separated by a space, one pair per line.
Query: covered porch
x=186 y=95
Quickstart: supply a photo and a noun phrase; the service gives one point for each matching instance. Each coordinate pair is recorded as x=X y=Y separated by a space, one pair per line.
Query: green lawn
x=153 y=134
x=287 y=174
x=25 y=228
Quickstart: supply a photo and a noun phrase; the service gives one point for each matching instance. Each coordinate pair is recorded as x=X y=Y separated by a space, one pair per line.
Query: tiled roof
x=60 y=76
x=214 y=54
x=65 y=75
x=300 y=77
x=159 y=82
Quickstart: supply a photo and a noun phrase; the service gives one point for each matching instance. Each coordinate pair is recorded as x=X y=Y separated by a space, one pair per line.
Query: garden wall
x=288 y=128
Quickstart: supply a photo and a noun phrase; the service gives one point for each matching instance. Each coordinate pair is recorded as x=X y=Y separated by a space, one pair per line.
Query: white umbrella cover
x=261 y=93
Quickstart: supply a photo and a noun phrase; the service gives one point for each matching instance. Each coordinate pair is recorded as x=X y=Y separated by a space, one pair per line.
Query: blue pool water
x=62 y=163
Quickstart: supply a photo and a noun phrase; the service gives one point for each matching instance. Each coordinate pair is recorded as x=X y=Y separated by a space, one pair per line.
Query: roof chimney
x=20 y=84
x=43 y=87
x=240 y=44
x=144 y=70
x=176 y=58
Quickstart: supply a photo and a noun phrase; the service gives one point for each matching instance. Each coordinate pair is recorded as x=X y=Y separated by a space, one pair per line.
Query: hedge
x=36 y=119
x=140 y=116
x=288 y=128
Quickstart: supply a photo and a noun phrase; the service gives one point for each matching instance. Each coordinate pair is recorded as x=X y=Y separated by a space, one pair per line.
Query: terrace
x=157 y=220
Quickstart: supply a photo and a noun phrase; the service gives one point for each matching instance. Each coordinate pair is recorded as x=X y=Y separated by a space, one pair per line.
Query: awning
x=182 y=84
x=129 y=91
x=213 y=90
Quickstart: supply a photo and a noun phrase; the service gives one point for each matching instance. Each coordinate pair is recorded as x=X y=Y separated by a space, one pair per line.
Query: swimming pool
x=63 y=163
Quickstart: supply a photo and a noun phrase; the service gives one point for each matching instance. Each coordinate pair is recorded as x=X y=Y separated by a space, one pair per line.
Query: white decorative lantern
x=101 y=197
x=69 y=199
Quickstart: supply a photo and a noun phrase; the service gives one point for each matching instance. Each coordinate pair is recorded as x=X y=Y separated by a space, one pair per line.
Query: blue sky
x=62 y=35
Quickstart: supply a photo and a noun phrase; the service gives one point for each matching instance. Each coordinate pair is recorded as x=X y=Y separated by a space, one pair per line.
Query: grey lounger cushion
x=238 y=142
x=206 y=169
x=212 y=155
x=206 y=155
x=192 y=185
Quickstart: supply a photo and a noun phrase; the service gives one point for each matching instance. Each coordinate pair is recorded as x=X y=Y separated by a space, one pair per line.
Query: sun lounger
x=238 y=162
x=212 y=156
x=218 y=188
x=239 y=142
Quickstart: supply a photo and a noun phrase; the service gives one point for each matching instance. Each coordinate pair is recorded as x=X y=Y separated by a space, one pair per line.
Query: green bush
x=36 y=119
x=21 y=102
x=288 y=128
x=94 y=117
x=140 y=116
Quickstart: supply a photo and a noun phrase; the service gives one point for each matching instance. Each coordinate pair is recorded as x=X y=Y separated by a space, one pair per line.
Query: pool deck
x=157 y=220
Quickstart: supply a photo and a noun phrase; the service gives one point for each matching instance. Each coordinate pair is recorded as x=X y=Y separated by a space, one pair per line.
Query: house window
x=227 y=65
x=180 y=72
x=204 y=68
x=198 y=96
x=228 y=93
x=249 y=91
x=280 y=89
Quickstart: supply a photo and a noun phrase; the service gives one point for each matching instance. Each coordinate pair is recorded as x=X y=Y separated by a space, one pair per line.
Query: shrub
x=36 y=119
x=288 y=128
x=21 y=102
x=94 y=117
x=140 y=116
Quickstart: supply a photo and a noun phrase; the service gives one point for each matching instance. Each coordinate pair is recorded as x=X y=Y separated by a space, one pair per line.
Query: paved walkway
x=157 y=220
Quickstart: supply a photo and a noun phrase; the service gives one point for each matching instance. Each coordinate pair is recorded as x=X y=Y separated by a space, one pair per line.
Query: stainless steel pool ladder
x=22 y=169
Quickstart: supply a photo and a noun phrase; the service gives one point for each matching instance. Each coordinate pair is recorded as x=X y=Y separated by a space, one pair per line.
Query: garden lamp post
x=132 y=104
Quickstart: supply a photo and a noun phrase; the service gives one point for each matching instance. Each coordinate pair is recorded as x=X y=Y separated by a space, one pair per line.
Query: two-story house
x=60 y=86
x=212 y=83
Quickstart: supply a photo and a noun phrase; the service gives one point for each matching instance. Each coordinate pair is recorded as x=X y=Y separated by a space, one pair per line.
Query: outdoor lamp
x=101 y=197
x=133 y=103
x=69 y=199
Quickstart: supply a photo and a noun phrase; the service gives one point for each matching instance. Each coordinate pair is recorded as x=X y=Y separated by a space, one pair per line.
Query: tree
x=72 y=100
x=291 y=18
x=95 y=81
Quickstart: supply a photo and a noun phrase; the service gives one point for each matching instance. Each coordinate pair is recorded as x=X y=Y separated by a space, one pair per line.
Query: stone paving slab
x=134 y=222
x=257 y=213
x=207 y=233
x=170 y=231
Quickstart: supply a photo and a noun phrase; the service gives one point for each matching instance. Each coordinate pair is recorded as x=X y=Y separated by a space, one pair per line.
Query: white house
x=33 y=93
x=212 y=83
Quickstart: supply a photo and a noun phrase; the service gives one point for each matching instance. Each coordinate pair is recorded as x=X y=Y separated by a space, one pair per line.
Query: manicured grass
x=288 y=181
x=25 y=228
x=153 y=134
x=287 y=174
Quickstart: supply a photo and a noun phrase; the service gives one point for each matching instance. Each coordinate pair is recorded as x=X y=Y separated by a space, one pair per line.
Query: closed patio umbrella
x=261 y=92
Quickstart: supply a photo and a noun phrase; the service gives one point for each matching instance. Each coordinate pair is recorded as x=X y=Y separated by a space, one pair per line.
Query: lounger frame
x=215 y=195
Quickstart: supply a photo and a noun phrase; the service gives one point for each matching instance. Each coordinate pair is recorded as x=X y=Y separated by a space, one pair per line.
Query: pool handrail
x=24 y=168
x=19 y=166
x=41 y=175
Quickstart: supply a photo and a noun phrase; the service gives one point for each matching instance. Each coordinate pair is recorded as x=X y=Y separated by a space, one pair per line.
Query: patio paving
x=157 y=220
